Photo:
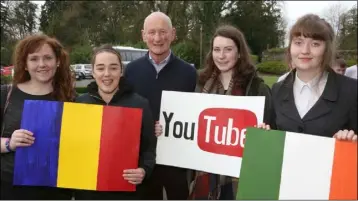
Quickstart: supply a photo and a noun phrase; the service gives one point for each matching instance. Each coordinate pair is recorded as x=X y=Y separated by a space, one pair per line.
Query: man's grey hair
x=161 y=15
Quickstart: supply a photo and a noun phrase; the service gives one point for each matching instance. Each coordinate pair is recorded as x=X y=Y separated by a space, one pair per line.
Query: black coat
x=126 y=97
x=335 y=110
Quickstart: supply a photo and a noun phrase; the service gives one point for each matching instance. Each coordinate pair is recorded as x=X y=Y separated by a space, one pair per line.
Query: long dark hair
x=243 y=69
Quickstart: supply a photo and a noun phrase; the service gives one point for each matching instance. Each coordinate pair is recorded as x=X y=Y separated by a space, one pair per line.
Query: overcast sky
x=292 y=10
x=295 y=9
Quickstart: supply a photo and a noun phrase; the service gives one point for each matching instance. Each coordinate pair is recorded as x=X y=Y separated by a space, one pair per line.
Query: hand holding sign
x=346 y=135
x=158 y=129
x=134 y=176
x=21 y=138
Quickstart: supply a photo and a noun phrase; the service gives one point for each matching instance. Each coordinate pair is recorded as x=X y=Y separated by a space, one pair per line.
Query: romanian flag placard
x=79 y=146
x=283 y=165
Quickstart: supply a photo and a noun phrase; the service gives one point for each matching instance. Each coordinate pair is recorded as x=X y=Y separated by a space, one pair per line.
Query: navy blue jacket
x=177 y=75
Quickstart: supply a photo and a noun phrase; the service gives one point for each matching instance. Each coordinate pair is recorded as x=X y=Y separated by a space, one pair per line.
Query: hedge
x=254 y=58
x=81 y=90
x=277 y=50
x=351 y=63
x=6 y=79
x=272 y=67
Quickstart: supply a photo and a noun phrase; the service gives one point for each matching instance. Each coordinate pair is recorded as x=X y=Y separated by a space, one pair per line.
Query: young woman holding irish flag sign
x=313 y=98
x=299 y=159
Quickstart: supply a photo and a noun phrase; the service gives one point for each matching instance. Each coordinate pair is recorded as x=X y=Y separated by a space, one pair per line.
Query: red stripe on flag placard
x=120 y=138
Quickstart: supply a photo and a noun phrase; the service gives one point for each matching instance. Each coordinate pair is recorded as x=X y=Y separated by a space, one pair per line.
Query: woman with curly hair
x=42 y=72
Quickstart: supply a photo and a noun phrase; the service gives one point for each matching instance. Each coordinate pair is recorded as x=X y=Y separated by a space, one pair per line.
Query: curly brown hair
x=62 y=82
x=243 y=69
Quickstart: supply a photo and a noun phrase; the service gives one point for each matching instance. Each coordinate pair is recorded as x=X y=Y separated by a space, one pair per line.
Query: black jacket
x=125 y=97
x=257 y=87
x=335 y=110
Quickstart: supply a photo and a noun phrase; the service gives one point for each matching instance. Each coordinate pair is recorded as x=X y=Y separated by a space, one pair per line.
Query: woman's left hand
x=346 y=135
x=134 y=176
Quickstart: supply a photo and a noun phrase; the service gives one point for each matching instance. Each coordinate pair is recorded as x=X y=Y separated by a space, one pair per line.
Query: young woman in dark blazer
x=313 y=99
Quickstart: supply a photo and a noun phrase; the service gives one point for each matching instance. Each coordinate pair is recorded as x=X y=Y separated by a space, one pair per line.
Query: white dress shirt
x=351 y=72
x=307 y=94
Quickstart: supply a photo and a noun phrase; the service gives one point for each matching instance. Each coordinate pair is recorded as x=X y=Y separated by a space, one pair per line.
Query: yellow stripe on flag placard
x=79 y=146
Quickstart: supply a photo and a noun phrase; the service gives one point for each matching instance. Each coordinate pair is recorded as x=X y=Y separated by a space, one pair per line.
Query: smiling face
x=307 y=53
x=107 y=72
x=225 y=53
x=158 y=33
x=42 y=64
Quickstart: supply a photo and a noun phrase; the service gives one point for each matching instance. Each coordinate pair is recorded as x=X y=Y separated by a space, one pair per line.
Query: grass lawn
x=269 y=79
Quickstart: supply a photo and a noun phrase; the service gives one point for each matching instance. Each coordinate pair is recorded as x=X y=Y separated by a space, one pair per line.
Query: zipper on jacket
x=98 y=98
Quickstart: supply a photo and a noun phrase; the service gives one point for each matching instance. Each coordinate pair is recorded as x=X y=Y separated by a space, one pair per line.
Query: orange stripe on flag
x=344 y=172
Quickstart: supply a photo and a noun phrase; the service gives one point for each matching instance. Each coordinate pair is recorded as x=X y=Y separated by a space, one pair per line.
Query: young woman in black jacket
x=110 y=88
x=313 y=99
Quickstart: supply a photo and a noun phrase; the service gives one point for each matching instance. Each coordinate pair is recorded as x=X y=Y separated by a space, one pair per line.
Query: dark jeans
x=98 y=195
x=173 y=179
x=10 y=192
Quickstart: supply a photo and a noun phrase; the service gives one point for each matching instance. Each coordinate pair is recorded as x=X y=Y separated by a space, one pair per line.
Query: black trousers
x=173 y=179
x=10 y=192
x=104 y=195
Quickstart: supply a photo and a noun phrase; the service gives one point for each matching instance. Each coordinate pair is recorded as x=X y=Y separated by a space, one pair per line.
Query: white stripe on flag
x=307 y=167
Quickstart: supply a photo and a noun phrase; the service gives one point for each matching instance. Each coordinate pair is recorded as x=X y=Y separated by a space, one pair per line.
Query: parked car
x=77 y=74
x=84 y=70
x=7 y=71
x=129 y=54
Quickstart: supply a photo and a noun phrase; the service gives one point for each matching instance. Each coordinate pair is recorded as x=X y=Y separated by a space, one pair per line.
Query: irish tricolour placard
x=206 y=132
x=279 y=165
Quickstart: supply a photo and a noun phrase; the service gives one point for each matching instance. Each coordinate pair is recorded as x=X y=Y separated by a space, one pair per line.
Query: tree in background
x=18 y=19
x=260 y=21
x=348 y=30
x=81 y=25
x=333 y=15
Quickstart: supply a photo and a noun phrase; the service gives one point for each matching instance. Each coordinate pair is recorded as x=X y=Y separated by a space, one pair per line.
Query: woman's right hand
x=264 y=126
x=21 y=138
x=158 y=129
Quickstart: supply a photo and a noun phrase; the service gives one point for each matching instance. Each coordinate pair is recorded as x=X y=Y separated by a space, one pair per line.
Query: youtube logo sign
x=206 y=132
x=222 y=130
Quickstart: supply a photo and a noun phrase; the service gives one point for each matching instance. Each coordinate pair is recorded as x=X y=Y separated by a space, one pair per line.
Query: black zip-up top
x=125 y=97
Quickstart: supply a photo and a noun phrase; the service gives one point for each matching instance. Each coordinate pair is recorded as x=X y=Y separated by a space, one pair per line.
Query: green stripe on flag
x=261 y=165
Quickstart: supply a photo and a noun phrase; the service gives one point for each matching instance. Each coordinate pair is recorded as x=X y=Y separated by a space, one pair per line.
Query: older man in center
x=161 y=70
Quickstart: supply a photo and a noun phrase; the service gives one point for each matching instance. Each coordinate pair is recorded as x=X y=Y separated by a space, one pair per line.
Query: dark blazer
x=335 y=110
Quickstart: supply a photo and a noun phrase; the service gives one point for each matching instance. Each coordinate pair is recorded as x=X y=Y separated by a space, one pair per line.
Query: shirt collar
x=162 y=62
x=320 y=78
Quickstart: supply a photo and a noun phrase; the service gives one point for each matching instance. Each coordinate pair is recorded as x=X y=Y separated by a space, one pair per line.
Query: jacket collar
x=169 y=59
x=123 y=88
x=330 y=92
x=322 y=106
